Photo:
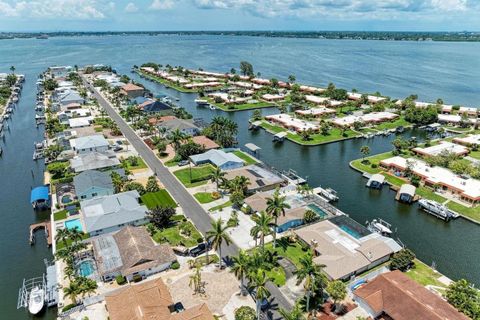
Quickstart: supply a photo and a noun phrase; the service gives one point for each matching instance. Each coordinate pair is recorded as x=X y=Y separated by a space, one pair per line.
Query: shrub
x=245 y=313
x=137 y=278
x=402 y=260
x=374 y=165
x=120 y=279
x=175 y=265
x=68 y=307
x=200 y=240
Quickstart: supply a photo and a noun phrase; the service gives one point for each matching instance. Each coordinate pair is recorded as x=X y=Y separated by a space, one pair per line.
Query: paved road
x=191 y=208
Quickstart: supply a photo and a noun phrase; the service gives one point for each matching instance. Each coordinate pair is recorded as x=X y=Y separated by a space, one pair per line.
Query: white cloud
x=162 y=4
x=67 y=9
x=131 y=7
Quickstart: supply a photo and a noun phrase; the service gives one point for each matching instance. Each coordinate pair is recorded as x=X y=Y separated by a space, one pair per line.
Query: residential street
x=190 y=206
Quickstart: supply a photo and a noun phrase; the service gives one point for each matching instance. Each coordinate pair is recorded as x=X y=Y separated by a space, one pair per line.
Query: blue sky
x=103 y=15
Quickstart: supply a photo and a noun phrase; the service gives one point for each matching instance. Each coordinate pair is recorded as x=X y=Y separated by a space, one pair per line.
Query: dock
x=41 y=225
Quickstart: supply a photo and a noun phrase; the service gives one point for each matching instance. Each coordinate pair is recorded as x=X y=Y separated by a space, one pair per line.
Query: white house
x=88 y=144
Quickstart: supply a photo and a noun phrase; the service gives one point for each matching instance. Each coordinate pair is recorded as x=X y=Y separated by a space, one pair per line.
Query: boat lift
x=27 y=287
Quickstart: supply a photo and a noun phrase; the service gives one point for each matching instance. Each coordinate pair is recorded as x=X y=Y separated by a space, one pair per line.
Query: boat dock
x=42 y=225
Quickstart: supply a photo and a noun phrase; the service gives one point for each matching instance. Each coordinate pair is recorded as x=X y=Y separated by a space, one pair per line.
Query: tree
x=130 y=186
x=276 y=206
x=12 y=68
x=152 y=184
x=189 y=148
x=53 y=151
x=274 y=82
x=365 y=151
x=463 y=296
x=258 y=282
x=72 y=291
x=63 y=235
x=217 y=176
x=176 y=137
x=295 y=314
x=118 y=181
x=196 y=280
x=11 y=79
x=337 y=291
x=86 y=286
x=291 y=78
x=306 y=134
x=262 y=228
x=217 y=236
x=245 y=313
x=257 y=114
x=402 y=260
x=309 y=216
x=50 y=84
x=246 y=68
x=240 y=268
x=422 y=116
x=161 y=217
x=312 y=275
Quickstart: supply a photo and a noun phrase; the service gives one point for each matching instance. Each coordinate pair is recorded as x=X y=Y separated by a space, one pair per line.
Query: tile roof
x=131 y=87
x=92 y=178
x=205 y=142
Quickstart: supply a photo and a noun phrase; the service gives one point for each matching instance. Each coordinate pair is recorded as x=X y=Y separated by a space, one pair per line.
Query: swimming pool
x=350 y=226
x=86 y=268
x=289 y=225
x=319 y=211
x=74 y=224
x=351 y=232
x=66 y=199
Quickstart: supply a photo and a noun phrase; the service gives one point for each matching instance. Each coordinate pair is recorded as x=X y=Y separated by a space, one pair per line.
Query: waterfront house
x=205 y=142
x=315 y=112
x=92 y=183
x=154 y=106
x=60 y=71
x=316 y=99
x=345 y=247
x=132 y=91
x=94 y=161
x=442 y=148
x=393 y=295
x=453 y=119
x=148 y=301
x=87 y=144
x=80 y=122
x=469 y=141
x=130 y=252
x=273 y=97
x=219 y=158
x=69 y=97
x=465 y=188
x=185 y=126
x=371 y=118
x=261 y=179
x=371 y=99
x=110 y=213
x=291 y=123
x=469 y=111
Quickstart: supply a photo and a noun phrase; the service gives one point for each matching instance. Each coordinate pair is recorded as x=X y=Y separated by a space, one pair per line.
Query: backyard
x=181 y=233
x=158 y=199
x=424 y=275
x=196 y=176
x=245 y=157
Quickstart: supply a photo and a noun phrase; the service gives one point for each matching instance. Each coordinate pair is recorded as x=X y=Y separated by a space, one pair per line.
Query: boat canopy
x=39 y=193
x=408 y=189
x=252 y=147
x=281 y=134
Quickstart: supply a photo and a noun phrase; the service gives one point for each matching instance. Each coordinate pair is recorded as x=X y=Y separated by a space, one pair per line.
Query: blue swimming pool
x=350 y=226
x=86 y=268
x=74 y=224
x=289 y=225
x=319 y=211
x=351 y=232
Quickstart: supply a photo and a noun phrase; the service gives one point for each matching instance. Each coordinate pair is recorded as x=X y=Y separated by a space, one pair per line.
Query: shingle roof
x=217 y=157
x=180 y=124
x=109 y=211
x=94 y=160
x=92 y=178
x=403 y=299
x=87 y=142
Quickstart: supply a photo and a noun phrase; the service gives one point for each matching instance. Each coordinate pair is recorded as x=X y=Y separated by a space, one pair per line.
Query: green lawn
x=167 y=83
x=245 y=157
x=475 y=154
x=60 y=215
x=139 y=165
x=458 y=129
x=335 y=134
x=393 y=125
x=221 y=206
x=182 y=233
x=291 y=251
x=424 y=275
x=158 y=199
x=366 y=167
x=241 y=107
x=195 y=176
x=473 y=213
x=171 y=163
x=204 y=197
x=60 y=244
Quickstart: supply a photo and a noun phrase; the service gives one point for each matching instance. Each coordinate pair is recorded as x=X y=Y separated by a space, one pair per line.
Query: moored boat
x=36 y=300
x=380 y=226
x=438 y=210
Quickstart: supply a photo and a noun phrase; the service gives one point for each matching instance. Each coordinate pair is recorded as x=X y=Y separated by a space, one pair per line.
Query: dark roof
x=92 y=178
x=154 y=106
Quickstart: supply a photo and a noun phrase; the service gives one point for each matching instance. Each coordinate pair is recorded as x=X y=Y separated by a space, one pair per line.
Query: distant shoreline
x=465 y=36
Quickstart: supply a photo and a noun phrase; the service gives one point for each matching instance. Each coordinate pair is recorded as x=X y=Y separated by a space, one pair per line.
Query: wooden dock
x=41 y=225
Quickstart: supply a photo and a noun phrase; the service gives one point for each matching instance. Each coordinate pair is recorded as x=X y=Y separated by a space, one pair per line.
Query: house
x=154 y=106
x=80 y=122
x=130 y=252
x=219 y=158
x=95 y=143
x=394 y=295
x=184 y=126
x=441 y=148
x=92 y=183
x=69 y=97
x=207 y=143
x=260 y=178
x=469 y=141
x=345 y=247
x=150 y=300
x=291 y=123
x=94 y=161
x=132 y=91
x=110 y=213
x=316 y=112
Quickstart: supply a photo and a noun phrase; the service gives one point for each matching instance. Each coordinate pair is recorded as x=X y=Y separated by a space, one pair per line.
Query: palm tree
x=75 y=234
x=72 y=291
x=87 y=286
x=217 y=235
x=262 y=228
x=313 y=276
x=240 y=268
x=217 y=176
x=276 y=206
x=176 y=137
x=365 y=151
x=295 y=314
x=258 y=282
x=12 y=68
x=63 y=235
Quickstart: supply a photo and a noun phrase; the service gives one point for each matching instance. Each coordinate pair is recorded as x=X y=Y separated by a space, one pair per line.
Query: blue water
x=86 y=268
x=350 y=231
x=74 y=224
x=289 y=225
x=317 y=210
x=432 y=70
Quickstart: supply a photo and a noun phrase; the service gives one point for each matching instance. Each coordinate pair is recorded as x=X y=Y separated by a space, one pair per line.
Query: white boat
x=212 y=107
x=436 y=209
x=380 y=226
x=329 y=193
x=201 y=102
x=36 y=300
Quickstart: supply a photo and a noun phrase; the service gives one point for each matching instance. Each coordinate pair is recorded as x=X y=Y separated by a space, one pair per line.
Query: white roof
x=408 y=189
x=452 y=118
x=290 y=122
x=442 y=147
x=315 y=99
x=468 y=140
x=95 y=141
x=80 y=122
x=315 y=111
x=369 y=117
x=217 y=157
x=438 y=175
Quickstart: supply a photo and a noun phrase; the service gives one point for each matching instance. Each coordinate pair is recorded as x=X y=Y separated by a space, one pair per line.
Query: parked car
x=198 y=250
x=117 y=149
x=183 y=163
